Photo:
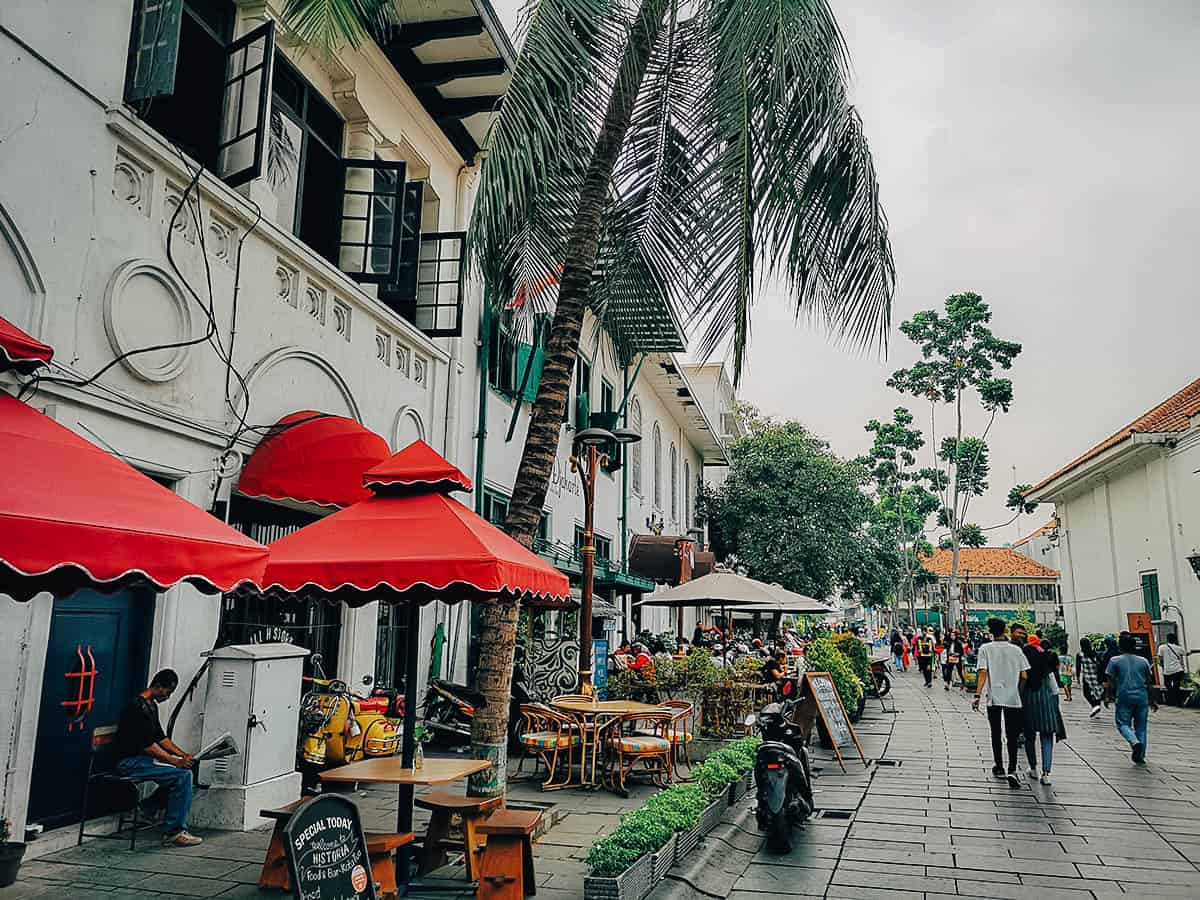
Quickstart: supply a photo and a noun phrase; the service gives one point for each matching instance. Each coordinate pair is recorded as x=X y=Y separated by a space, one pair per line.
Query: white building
x=1041 y=545
x=1128 y=515
x=311 y=265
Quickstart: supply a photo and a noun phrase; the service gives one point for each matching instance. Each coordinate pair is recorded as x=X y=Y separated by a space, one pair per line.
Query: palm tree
x=685 y=152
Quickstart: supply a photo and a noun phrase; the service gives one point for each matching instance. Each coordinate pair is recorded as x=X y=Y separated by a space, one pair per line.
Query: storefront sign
x=562 y=479
x=600 y=665
x=327 y=851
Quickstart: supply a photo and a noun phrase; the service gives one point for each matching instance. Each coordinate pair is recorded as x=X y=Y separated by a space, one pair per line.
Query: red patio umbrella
x=19 y=351
x=410 y=543
x=73 y=515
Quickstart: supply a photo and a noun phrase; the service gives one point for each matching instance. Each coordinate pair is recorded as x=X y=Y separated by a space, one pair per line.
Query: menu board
x=824 y=693
x=327 y=851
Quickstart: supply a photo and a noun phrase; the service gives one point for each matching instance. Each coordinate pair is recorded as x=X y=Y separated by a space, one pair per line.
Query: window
x=674 y=457
x=502 y=357
x=687 y=495
x=607 y=397
x=635 y=450
x=495 y=510
x=583 y=387
x=603 y=545
x=656 y=462
x=1150 y=600
x=216 y=112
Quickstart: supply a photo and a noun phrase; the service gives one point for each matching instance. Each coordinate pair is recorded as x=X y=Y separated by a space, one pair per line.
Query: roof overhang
x=457 y=59
x=1062 y=485
x=666 y=375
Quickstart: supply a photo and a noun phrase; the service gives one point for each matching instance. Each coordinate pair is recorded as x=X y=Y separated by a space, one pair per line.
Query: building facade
x=218 y=229
x=996 y=581
x=1128 y=515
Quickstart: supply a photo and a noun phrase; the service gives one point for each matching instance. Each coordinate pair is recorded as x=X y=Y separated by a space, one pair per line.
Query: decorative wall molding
x=118 y=316
x=283 y=354
x=185 y=225
x=287 y=283
x=133 y=181
x=341 y=318
x=11 y=234
x=407 y=419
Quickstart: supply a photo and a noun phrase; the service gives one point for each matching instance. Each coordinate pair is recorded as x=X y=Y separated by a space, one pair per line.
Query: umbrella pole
x=408 y=741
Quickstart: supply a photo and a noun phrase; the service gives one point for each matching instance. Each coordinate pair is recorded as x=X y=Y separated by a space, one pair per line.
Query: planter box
x=736 y=790
x=632 y=884
x=748 y=779
x=712 y=816
x=661 y=861
x=686 y=841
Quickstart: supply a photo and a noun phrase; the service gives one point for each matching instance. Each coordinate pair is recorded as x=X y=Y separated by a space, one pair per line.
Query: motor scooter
x=782 y=776
x=338 y=726
x=449 y=710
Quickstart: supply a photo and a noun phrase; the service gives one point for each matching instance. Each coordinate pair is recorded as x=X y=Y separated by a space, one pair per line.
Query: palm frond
x=330 y=24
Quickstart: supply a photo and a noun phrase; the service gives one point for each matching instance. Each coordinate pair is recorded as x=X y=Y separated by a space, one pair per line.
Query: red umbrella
x=73 y=515
x=313 y=457
x=19 y=351
x=410 y=540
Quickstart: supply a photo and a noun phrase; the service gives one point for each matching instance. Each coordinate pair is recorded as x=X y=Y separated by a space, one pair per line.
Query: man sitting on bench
x=144 y=752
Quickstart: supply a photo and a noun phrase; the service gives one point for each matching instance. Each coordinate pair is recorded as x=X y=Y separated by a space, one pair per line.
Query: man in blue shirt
x=1129 y=680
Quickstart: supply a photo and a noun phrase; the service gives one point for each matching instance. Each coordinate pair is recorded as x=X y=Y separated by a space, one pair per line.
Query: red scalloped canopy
x=312 y=457
x=21 y=351
x=423 y=545
x=73 y=515
x=418 y=464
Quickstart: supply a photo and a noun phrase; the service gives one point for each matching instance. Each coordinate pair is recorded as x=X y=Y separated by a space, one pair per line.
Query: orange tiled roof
x=1172 y=415
x=1049 y=526
x=987 y=562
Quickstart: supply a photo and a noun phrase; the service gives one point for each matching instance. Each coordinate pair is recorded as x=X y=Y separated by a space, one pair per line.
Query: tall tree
x=959 y=354
x=683 y=151
x=791 y=511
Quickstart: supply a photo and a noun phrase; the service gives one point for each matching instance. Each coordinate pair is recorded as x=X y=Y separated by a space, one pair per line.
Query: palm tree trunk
x=498 y=638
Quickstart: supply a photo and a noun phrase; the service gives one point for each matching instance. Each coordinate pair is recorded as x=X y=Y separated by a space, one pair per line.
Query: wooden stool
x=507 y=870
x=445 y=804
x=274 y=874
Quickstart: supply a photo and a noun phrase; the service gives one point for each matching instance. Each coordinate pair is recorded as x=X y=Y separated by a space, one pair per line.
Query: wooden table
x=592 y=712
x=391 y=770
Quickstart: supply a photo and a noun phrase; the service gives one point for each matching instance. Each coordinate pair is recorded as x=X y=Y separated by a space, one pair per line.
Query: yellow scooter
x=339 y=727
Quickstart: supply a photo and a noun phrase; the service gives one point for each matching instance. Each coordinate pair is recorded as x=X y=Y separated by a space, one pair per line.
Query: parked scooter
x=450 y=709
x=338 y=726
x=782 y=775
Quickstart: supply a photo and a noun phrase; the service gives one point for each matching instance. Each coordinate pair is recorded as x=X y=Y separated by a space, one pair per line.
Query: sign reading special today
x=327 y=851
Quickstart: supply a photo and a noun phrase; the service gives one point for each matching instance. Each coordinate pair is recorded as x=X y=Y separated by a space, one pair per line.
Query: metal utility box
x=254 y=694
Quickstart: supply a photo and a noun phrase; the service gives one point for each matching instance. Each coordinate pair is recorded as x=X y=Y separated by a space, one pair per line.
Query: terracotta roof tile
x=1172 y=415
x=1049 y=526
x=987 y=562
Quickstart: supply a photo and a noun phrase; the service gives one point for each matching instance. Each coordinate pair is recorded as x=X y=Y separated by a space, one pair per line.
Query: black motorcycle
x=782 y=775
x=449 y=710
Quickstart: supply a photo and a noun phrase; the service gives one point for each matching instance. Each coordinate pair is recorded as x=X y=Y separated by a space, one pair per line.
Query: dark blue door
x=111 y=632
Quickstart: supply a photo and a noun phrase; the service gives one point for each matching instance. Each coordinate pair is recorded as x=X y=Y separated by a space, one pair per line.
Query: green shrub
x=1054 y=636
x=822 y=655
x=680 y=805
x=1097 y=640
x=607 y=859
x=641 y=831
x=714 y=776
x=856 y=654
x=738 y=755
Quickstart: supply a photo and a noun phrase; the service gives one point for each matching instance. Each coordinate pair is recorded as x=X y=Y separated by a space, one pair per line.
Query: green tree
x=959 y=354
x=680 y=151
x=793 y=512
x=970 y=535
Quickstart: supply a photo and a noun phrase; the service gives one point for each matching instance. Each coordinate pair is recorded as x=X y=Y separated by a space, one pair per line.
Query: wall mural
x=553 y=651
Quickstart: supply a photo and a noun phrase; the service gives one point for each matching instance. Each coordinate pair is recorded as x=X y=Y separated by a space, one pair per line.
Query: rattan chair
x=552 y=737
x=681 y=734
x=625 y=749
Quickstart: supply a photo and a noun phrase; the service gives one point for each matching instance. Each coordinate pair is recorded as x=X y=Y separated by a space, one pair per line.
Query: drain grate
x=889 y=762
x=833 y=814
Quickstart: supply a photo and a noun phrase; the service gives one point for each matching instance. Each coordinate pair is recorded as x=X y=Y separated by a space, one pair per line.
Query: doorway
x=108 y=634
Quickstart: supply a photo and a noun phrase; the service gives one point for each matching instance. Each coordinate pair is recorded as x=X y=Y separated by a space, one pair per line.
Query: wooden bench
x=443 y=805
x=380 y=846
x=507 y=867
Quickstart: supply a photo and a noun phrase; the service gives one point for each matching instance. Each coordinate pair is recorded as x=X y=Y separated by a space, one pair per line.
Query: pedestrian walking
x=1002 y=668
x=1065 y=672
x=1129 y=680
x=1110 y=652
x=904 y=655
x=925 y=656
x=1087 y=666
x=898 y=651
x=953 y=660
x=1042 y=718
x=1173 y=661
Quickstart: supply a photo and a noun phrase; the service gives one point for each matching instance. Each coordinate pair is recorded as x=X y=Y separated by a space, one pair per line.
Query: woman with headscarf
x=1042 y=717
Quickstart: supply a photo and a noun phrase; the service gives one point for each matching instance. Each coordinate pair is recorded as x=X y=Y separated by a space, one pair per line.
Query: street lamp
x=586 y=459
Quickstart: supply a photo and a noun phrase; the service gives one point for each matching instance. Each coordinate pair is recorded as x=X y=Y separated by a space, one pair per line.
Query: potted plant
x=680 y=807
x=422 y=734
x=10 y=854
x=628 y=863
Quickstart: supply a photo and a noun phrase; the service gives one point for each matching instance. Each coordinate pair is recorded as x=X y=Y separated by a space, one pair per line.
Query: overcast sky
x=1043 y=155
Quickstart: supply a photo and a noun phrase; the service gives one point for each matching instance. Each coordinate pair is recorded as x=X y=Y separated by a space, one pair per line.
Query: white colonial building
x=218 y=229
x=1128 y=513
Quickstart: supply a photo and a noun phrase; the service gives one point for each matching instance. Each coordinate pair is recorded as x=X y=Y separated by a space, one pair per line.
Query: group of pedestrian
x=932 y=651
x=1019 y=682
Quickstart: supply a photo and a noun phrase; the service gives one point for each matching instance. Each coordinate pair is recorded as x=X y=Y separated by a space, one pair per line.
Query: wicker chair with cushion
x=681 y=733
x=552 y=737
x=650 y=745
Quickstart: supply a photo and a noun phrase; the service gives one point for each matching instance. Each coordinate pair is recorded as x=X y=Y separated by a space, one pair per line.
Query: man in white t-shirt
x=1171 y=657
x=1002 y=667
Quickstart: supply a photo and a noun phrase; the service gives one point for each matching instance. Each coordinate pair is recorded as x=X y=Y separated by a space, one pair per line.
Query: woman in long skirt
x=1043 y=720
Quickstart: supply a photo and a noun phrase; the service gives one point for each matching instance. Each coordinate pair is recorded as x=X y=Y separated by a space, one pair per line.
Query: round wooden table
x=595 y=715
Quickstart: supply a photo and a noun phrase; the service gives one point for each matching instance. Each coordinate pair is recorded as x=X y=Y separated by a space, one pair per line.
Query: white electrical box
x=254 y=694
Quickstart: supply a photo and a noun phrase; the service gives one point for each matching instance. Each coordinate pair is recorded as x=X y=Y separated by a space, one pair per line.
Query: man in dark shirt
x=147 y=754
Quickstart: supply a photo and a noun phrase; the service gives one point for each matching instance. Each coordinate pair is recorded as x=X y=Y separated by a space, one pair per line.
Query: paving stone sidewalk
x=937 y=825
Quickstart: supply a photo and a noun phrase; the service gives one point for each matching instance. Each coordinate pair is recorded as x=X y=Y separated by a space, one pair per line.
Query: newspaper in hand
x=223 y=746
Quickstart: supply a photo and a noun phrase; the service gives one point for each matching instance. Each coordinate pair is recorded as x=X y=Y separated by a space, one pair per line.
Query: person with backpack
x=926 y=650
x=898 y=651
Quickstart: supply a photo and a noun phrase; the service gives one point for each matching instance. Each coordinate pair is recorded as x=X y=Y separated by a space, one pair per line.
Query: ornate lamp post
x=586 y=459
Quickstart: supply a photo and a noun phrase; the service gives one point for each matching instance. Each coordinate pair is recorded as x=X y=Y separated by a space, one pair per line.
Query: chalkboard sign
x=829 y=704
x=327 y=851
